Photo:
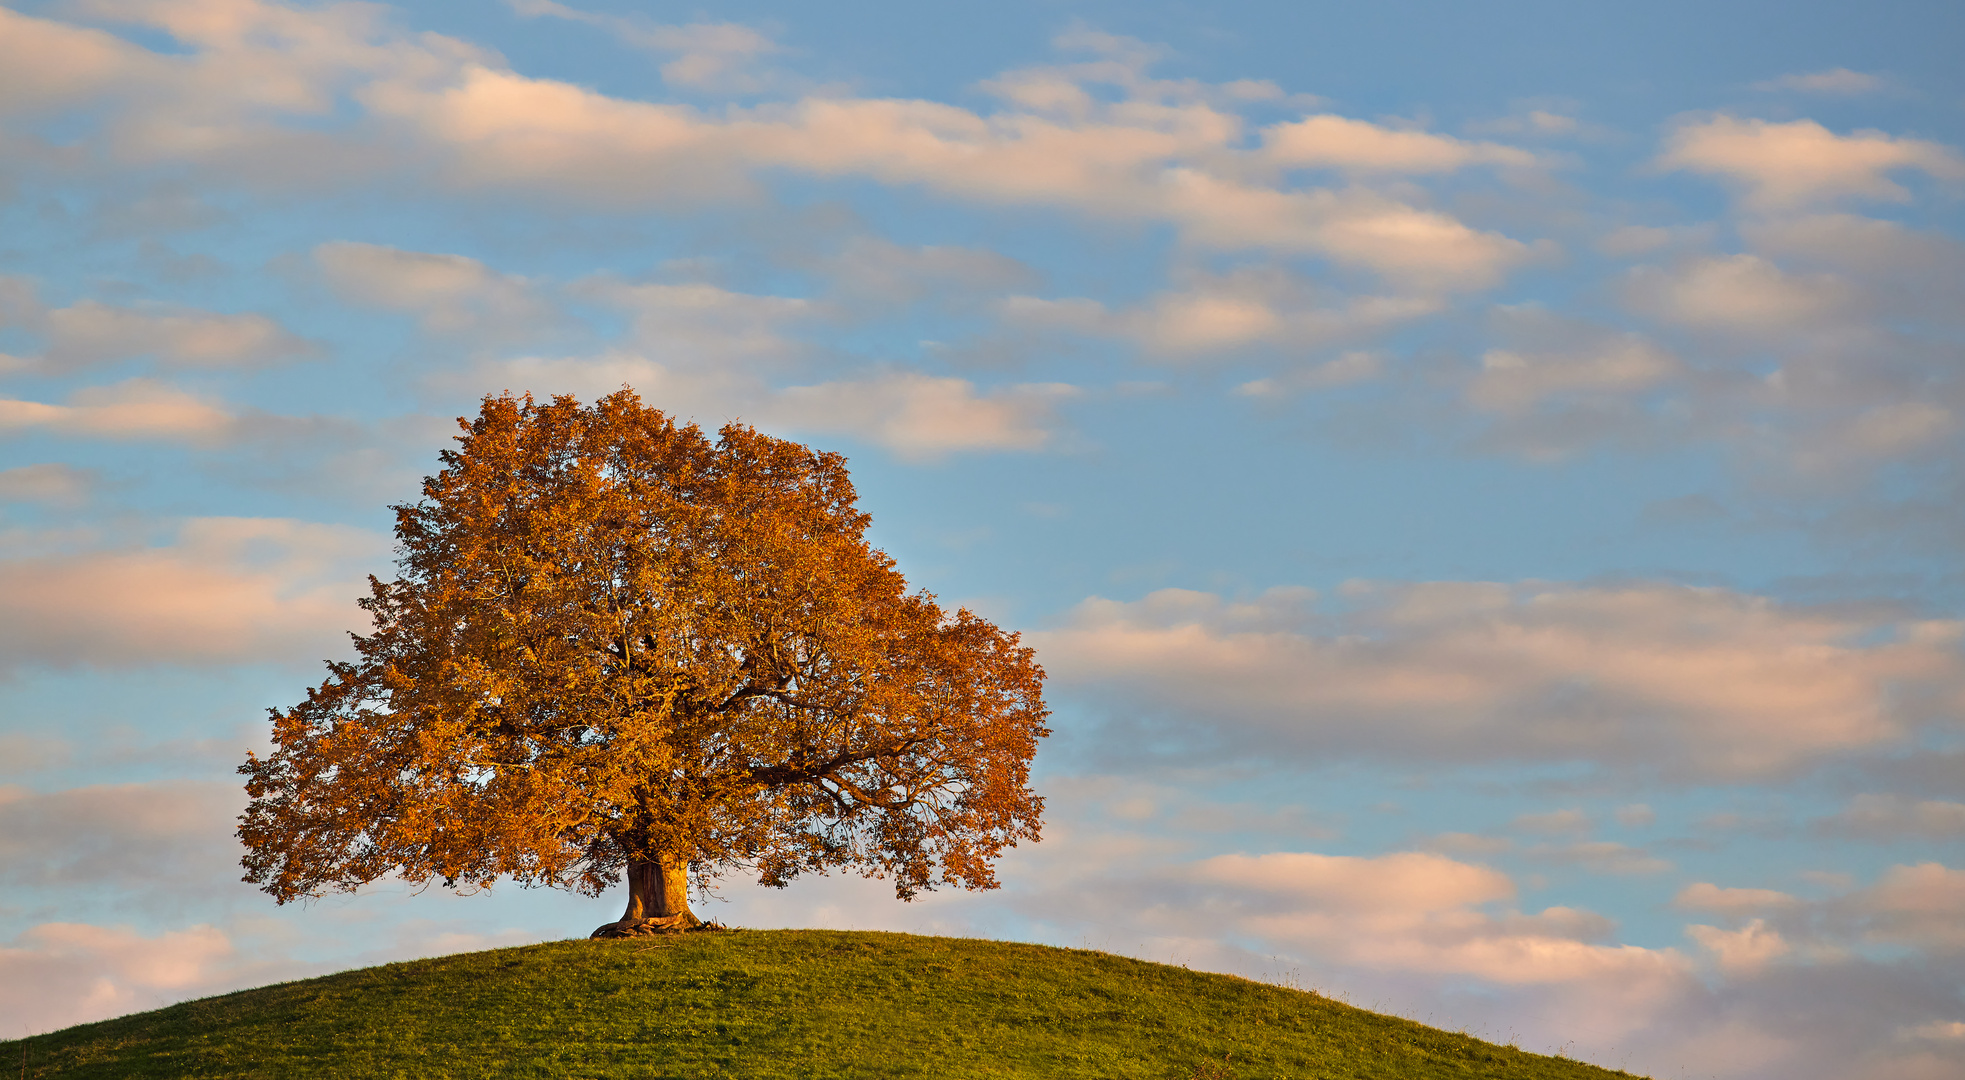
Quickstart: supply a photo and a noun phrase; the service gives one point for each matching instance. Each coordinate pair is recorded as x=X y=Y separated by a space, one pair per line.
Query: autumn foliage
x=615 y=644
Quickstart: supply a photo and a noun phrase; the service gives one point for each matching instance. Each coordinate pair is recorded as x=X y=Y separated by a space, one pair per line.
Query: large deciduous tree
x=614 y=644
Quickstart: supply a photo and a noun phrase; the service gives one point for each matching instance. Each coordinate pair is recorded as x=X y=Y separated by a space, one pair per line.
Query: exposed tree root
x=684 y=923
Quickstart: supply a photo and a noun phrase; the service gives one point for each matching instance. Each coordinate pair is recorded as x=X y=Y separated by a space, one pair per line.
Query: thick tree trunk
x=658 y=900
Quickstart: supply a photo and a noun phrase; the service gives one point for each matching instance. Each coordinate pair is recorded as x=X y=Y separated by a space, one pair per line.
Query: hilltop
x=781 y=1003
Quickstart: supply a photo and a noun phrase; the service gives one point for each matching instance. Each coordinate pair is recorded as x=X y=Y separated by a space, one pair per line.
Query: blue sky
x=1484 y=479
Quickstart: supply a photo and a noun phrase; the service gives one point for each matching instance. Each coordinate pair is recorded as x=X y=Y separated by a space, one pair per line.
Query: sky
x=1484 y=479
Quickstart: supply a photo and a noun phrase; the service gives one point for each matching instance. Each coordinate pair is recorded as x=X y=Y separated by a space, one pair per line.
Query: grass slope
x=782 y=1003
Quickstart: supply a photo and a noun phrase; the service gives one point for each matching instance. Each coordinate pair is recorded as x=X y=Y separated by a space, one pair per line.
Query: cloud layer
x=1692 y=682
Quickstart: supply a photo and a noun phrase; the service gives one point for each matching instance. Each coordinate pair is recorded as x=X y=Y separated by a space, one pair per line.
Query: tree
x=615 y=644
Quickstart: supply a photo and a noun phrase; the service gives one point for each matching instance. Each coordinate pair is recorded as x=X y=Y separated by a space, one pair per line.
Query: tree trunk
x=658 y=900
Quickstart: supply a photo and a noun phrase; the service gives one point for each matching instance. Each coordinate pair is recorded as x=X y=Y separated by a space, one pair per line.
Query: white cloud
x=1693 y=681
x=227 y=590
x=1785 y=166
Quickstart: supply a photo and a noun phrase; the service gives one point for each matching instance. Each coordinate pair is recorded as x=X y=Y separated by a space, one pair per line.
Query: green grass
x=782 y=1003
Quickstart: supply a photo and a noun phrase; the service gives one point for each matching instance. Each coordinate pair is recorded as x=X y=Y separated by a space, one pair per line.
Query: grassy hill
x=784 y=1003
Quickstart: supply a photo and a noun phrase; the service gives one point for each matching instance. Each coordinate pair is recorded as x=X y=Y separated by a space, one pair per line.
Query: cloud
x=1211 y=316
x=1600 y=857
x=45 y=64
x=92 y=332
x=718 y=57
x=876 y=272
x=1687 y=681
x=923 y=416
x=1787 y=166
x=502 y=129
x=1858 y=322
x=1743 y=951
x=1913 y=273
x=1839 y=81
x=1335 y=142
x=918 y=416
x=132 y=409
x=1555 y=821
x=1922 y=906
x=1625 y=241
x=57 y=974
x=1417 y=912
x=1705 y=896
x=228 y=590
x=50 y=482
x=1538 y=123
x=705 y=326
x=449 y=294
x=247 y=101
x=1550 y=385
x=1615 y=365
x=171 y=836
x=1896 y=817
x=1744 y=296
x=1347 y=369
x=1635 y=815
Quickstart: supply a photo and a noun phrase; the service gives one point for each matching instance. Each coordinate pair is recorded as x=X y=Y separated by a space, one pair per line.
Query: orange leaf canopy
x=614 y=641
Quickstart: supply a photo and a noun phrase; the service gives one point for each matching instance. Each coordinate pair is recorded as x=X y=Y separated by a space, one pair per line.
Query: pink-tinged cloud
x=1788 y=166
x=245 y=99
x=133 y=409
x=916 y=416
x=62 y=973
x=172 y=836
x=1338 y=142
x=1687 y=681
x=227 y=590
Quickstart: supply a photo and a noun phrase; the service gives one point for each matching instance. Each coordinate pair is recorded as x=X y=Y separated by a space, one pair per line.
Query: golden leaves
x=614 y=640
